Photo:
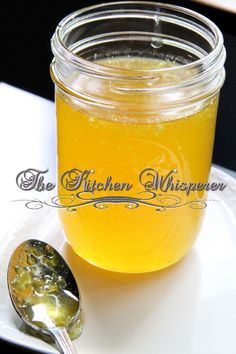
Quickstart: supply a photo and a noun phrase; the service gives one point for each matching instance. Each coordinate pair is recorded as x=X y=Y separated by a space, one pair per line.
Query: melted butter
x=41 y=291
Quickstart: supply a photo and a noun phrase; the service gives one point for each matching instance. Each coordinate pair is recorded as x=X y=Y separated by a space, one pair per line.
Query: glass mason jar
x=137 y=87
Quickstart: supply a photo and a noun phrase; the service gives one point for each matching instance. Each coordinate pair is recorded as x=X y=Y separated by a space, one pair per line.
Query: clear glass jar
x=137 y=86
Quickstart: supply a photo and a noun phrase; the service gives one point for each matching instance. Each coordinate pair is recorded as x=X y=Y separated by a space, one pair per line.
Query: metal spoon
x=44 y=292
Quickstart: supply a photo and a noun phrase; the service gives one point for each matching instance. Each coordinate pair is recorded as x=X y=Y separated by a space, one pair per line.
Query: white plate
x=226 y=5
x=189 y=308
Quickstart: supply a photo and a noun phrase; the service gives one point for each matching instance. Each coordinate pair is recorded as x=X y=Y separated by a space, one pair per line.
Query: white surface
x=187 y=309
x=27 y=140
x=227 y=5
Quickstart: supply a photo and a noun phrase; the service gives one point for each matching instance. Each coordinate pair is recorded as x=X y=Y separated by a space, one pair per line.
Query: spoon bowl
x=44 y=292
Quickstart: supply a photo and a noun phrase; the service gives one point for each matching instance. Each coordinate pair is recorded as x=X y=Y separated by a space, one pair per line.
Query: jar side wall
x=141 y=239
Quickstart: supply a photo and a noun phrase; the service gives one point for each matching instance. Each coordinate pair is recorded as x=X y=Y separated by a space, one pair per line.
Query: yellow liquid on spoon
x=40 y=292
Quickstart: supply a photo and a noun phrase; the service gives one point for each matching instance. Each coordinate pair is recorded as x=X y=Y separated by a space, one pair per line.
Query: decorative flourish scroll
x=72 y=202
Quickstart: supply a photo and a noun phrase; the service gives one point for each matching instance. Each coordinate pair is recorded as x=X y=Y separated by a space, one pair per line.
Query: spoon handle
x=63 y=340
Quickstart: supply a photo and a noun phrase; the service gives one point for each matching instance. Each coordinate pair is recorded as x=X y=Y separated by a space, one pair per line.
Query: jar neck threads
x=188 y=40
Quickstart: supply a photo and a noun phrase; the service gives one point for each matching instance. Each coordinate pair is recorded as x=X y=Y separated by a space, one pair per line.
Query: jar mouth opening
x=203 y=26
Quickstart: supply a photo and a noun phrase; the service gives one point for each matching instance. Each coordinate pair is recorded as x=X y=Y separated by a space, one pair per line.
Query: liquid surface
x=123 y=236
x=41 y=291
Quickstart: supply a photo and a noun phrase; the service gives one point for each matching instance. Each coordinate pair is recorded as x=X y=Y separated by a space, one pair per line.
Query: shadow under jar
x=137 y=86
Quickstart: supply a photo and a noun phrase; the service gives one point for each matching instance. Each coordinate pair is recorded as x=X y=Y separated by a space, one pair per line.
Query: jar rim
x=66 y=54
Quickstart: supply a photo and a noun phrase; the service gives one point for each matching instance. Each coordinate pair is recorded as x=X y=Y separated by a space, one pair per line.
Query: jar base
x=130 y=271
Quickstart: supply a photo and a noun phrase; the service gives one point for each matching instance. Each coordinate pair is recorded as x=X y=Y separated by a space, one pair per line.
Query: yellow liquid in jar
x=117 y=237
